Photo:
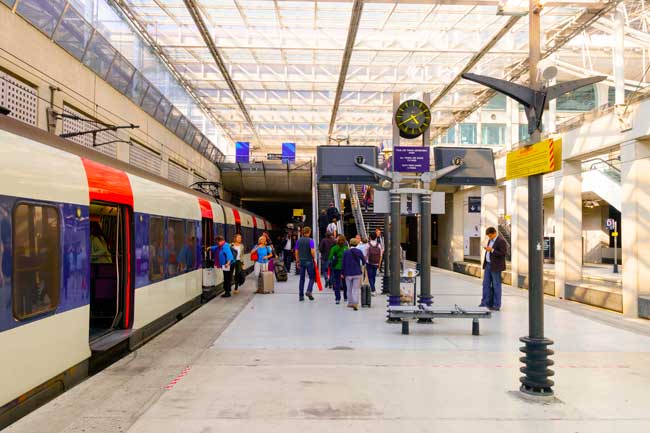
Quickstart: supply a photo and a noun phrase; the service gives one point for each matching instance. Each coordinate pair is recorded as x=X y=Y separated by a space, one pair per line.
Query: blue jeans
x=491 y=288
x=324 y=264
x=372 y=275
x=306 y=267
x=336 y=284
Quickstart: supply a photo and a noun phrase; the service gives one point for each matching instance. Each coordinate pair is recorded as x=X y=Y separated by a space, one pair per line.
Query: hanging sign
x=288 y=152
x=298 y=212
x=474 y=204
x=242 y=152
x=273 y=156
x=411 y=159
x=539 y=158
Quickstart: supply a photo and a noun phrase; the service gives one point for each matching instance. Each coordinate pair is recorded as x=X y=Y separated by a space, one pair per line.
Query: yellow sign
x=614 y=234
x=538 y=158
x=298 y=212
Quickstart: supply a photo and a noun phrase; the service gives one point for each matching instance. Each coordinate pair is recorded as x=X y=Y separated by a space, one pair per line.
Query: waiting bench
x=426 y=313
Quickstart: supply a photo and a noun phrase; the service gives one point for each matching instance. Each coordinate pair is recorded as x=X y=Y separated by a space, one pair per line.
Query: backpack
x=374 y=254
x=233 y=250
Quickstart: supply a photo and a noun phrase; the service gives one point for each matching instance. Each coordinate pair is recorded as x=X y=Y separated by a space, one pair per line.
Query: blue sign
x=411 y=159
x=242 y=152
x=288 y=152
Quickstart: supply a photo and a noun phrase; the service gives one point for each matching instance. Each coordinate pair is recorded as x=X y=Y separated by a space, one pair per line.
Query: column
x=618 y=55
x=635 y=214
x=519 y=227
x=568 y=225
x=489 y=211
x=457 y=250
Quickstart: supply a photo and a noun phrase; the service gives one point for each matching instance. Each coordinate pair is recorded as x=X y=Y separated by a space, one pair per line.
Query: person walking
x=332 y=228
x=323 y=222
x=363 y=246
x=367 y=197
x=336 y=266
x=374 y=257
x=493 y=264
x=264 y=254
x=324 y=248
x=333 y=212
x=305 y=255
x=287 y=252
x=223 y=258
x=238 y=268
x=353 y=262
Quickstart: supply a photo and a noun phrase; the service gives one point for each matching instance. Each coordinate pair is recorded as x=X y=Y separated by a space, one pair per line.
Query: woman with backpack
x=375 y=255
x=336 y=265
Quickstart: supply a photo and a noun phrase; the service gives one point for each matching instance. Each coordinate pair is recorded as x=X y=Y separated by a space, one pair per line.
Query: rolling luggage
x=265 y=281
x=366 y=295
x=280 y=271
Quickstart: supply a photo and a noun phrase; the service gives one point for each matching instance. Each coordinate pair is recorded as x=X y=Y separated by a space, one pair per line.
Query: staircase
x=325 y=196
x=355 y=201
x=370 y=218
x=603 y=178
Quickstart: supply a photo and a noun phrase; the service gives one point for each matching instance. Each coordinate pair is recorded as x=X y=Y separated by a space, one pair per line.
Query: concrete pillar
x=519 y=224
x=618 y=55
x=489 y=211
x=568 y=225
x=635 y=214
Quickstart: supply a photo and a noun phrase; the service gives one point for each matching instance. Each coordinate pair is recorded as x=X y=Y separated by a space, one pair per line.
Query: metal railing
x=356 y=211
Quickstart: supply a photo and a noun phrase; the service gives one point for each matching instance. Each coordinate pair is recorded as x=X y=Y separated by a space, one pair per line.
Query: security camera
x=457 y=160
x=360 y=159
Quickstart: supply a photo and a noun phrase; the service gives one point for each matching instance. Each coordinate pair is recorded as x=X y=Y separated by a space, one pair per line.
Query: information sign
x=288 y=152
x=298 y=212
x=411 y=159
x=538 y=158
x=242 y=152
x=474 y=204
x=610 y=223
x=274 y=156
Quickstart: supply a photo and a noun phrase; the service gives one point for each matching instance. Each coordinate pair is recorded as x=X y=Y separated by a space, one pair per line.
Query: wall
x=28 y=54
x=595 y=238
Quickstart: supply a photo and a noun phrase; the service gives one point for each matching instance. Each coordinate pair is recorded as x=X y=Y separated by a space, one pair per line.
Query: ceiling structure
x=274 y=71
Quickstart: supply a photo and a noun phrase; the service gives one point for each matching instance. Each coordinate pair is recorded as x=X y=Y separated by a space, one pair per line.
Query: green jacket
x=337 y=251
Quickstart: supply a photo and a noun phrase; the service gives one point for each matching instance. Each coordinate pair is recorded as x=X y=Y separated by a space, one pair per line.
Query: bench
x=426 y=313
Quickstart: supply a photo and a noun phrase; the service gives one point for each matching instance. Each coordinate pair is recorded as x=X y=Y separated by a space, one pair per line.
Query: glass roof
x=285 y=58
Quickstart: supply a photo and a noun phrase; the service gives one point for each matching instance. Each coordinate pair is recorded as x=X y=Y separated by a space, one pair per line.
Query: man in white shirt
x=332 y=228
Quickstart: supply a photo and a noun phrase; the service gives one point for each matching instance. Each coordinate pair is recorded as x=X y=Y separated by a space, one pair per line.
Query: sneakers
x=355 y=308
x=374 y=293
x=338 y=302
x=310 y=296
x=235 y=291
x=226 y=295
x=301 y=299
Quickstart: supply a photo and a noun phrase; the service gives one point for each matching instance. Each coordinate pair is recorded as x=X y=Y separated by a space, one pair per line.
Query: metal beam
x=195 y=13
x=357 y=9
x=476 y=58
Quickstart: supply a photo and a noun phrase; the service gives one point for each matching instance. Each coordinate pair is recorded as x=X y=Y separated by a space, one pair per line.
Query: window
x=173 y=246
x=187 y=255
x=43 y=14
x=156 y=249
x=73 y=33
x=36 y=255
x=449 y=137
x=468 y=133
x=523 y=132
x=583 y=99
x=493 y=134
x=498 y=102
x=99 y=55
x=611 y=95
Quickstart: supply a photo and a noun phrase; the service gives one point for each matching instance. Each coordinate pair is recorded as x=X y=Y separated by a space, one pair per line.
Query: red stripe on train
x=107 y=183
x=206 y=209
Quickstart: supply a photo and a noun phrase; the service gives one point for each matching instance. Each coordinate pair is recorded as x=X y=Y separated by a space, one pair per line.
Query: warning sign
x=542 y=157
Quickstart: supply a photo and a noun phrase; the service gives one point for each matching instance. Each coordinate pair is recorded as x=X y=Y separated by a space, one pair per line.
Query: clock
x=413 y=118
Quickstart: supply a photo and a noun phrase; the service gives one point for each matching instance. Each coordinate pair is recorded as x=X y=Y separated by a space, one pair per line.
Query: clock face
x=413 y=118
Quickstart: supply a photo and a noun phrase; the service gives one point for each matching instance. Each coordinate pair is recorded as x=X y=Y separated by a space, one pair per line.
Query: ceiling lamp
x=517 y=8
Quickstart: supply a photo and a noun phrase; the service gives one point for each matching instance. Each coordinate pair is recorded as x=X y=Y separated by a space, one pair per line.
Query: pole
x=394 y=299
x=425 y=242
x=615 y=247
x=535 y=380
x=618 y=54
x=387 y=280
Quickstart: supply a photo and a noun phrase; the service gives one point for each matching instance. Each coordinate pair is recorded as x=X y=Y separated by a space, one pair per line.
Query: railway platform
x=268 y=363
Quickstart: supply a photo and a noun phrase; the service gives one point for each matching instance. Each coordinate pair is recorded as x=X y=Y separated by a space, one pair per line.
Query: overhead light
x=517 y=8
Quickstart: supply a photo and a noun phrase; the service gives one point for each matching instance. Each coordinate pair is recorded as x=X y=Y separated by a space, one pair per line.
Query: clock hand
x=407 y=120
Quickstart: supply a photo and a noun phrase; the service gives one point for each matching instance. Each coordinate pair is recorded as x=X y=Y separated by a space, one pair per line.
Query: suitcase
x=366 y=295
x=280 y=271
x=265 y=281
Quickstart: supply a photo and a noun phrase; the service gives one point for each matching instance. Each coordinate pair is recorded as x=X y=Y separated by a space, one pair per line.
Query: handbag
x=254 y=255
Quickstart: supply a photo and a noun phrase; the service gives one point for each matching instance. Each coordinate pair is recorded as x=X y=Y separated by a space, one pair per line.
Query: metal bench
x=426 y=313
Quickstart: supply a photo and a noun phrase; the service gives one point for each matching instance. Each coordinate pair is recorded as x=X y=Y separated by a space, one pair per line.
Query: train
x=95 y=254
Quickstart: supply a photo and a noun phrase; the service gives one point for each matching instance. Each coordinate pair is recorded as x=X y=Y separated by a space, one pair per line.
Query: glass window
x=164 y=107
x=174 y=244
x=73 y=33
x=99 y=55
x=10 y=3
x=468 y=133
x=187 y=255
x=183 y=128
x=120 y=74
x=583 y=99
x=151 y=100
x=449 y=137
x=523 y=132
x=44 y=14
x=36 y=260
x=611 y=95
x=156 y=249
x=173 y=119
x=493 y=133
x=498 y=102
x=137 y=88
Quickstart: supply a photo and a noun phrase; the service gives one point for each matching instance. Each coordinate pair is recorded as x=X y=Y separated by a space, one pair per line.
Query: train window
x=174 y=244
x=36 y=259
x=187 y=254
x=156 y=249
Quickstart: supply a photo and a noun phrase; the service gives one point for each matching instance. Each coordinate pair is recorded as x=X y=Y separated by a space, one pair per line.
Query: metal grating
x=197 y=178
x=144 y=158
x=176 y=173
x=73 y=125
x=20 y=98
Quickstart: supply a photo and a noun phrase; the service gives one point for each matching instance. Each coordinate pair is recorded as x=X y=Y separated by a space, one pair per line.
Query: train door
x=110 y=270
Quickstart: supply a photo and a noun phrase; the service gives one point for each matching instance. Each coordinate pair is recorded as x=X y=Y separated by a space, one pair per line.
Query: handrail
x=356 y=210
x=601 y=161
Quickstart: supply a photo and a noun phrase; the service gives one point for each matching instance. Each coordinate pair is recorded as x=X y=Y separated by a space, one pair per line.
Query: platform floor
x=268 y=363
